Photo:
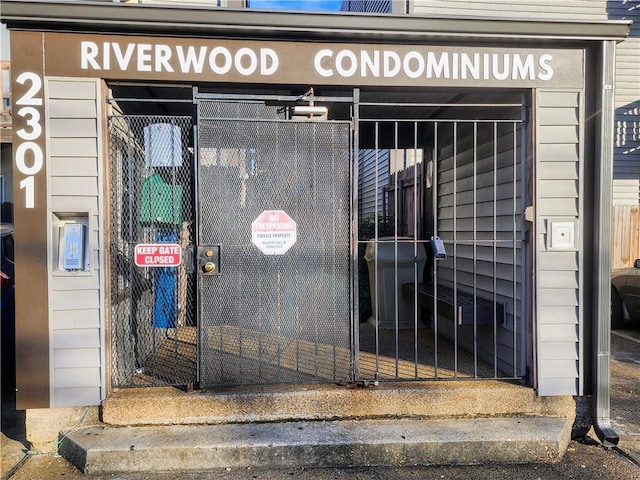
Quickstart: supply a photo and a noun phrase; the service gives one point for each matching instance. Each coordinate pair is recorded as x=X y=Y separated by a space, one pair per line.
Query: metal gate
x=273 y=244
x=441 y=189
x=153 y=322
x=308 y=245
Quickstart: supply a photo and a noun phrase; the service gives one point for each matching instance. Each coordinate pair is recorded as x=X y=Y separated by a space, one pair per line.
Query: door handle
x=209 y=259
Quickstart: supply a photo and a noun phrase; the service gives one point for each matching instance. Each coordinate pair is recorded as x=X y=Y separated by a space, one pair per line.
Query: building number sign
x=29 y=157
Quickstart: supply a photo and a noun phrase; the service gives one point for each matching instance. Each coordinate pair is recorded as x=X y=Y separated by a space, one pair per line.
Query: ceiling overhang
x=221 y=22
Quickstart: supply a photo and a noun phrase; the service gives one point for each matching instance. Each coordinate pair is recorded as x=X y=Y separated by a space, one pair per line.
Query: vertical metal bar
x=375 y=260
x=415 y=248
x=456 y=312
x=434 y=199
x=514 y=249
x=524 y=173
x=196 y=230
x=354 y=154
x=475 y=249
x=495 y=250
x=396 y=302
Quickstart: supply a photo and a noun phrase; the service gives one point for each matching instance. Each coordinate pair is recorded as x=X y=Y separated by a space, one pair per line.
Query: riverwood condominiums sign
x=122 y=57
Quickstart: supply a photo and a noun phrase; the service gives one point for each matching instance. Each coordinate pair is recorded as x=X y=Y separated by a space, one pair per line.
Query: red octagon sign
x=273 y=232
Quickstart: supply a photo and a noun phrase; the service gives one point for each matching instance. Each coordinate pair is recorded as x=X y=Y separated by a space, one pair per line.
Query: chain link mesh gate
x=153 y=323
x=281 y=318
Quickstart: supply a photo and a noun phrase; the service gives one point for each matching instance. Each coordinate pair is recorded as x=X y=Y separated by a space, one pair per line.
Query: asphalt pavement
x=583 y=460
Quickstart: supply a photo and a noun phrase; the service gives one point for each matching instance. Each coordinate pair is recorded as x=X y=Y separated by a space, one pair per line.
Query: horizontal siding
x=74 y=189
x=72 y=357
x=626 y=166
x=559 y=206
x=77 y=338
x=70 y=203
x=76 y=319
x=74 y=166
x=77 y=127
x=368 y=192
x=75 y=299
x=558 y=152
x=558 y=279
x=70 y=397
x=558 y=296
x=76 y=282
x=552 y=170
x=71 y=147
x=558 y=261
x=552 y=385
x=567 y=333
x=77 y=377
x=75 y=186
x=527 y=9
x=558 y=285
x=64 y=108
x=561 y=188
x=557 y=314
x=64 y=89
x=557 y=351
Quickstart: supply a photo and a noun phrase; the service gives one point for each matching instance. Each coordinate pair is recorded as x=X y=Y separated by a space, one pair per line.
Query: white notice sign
x=273 y=232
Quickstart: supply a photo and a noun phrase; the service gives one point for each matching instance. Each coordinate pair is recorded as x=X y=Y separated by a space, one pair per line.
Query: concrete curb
x=101 y=450
x=462 y=399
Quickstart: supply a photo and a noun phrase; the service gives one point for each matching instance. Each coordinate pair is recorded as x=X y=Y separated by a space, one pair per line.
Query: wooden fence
x=625 y=235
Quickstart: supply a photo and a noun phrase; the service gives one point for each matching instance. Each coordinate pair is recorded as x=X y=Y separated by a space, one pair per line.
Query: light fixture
x=309 y=111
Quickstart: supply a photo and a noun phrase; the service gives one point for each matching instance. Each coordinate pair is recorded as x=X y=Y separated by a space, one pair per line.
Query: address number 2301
x=29 y=156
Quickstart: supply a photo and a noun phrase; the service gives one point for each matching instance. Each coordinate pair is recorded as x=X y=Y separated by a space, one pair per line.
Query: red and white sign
x=158 y=255
x=273 y=232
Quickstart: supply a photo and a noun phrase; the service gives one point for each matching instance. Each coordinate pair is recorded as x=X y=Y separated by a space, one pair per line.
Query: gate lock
x=209 y=259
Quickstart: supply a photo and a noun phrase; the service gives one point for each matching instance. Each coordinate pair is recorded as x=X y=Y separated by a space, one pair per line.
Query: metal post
x=602 y=202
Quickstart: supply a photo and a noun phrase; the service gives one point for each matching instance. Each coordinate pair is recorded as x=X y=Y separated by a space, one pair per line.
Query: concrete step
x=468 y=398
x=106 y=450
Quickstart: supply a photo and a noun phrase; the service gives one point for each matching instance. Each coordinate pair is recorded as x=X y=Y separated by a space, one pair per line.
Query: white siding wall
x=524 y=9
x=558 y=280
x=626 y=185
x=73 y=114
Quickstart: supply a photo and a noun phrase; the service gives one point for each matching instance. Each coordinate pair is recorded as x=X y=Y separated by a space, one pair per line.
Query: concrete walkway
x=13 y=453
